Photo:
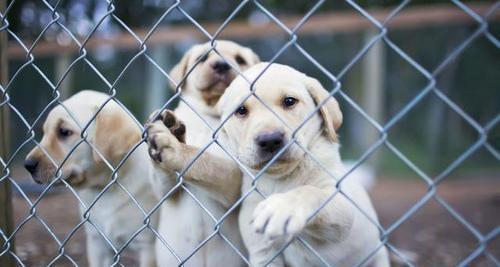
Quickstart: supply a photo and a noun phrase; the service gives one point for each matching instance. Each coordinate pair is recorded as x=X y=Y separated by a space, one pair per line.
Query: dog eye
x=289 y=102
x=203 y=58
x=63 y=132
x=242 y=111
x=240 y=60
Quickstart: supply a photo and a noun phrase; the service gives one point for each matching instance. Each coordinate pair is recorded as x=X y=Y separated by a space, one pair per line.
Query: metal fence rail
x=6 y=161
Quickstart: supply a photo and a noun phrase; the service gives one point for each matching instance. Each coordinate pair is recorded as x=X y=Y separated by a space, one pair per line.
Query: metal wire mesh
x=337 y=90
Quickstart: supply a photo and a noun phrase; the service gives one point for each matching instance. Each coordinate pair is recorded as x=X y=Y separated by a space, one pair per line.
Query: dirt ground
x=432 y=233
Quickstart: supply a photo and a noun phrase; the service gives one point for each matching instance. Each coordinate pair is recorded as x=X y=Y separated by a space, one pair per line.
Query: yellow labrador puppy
x=184 y=224
x=113 y=134
x=295 y=184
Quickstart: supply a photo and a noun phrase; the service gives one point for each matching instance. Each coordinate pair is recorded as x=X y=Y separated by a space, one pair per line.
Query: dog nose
x=270 y=142
x=221 y=67
x=31 y=165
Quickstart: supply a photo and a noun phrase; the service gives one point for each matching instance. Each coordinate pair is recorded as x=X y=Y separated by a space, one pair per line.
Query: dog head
x=213 y=73
x=257 y=134
x=113 y=133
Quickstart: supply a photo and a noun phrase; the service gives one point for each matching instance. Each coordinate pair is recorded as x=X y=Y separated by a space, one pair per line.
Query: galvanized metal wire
x=292 y=42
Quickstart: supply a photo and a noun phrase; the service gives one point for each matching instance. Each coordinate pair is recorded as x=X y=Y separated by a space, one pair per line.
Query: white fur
x=364 y=175
x=114 y=213
x=296 y=186
x=184 y=225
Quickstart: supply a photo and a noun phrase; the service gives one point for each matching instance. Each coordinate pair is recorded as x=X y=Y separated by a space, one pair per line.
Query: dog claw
x=155 y=155
x=176 y=127
x=152 y=142
x=169 y=118
x=180 y=132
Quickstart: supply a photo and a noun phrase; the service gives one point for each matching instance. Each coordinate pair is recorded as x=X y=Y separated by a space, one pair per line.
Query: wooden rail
x=331 y=22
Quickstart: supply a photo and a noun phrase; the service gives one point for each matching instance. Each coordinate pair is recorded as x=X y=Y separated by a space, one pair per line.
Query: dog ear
x=330 y=110
x=114 y=133
x=180 y=69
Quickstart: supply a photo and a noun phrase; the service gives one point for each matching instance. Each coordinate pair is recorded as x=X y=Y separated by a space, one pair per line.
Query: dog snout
x=221 y=67
x=270 y=142
x=31 y=165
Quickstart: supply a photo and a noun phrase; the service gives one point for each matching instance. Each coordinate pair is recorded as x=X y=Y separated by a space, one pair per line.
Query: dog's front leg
x=162 y=180
x=168 y=151
x=298 y=210
x=264 y=252
x=99 y=254
x=147 y=256
x=263 y=260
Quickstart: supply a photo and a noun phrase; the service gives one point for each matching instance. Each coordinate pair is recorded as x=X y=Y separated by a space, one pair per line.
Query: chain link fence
x=381 y=35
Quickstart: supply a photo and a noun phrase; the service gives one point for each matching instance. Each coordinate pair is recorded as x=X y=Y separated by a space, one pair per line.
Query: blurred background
x=432 y=135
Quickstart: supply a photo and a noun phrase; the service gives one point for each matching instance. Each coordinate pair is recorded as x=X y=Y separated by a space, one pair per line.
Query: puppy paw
x=164 y=138
x=169 y=120
x=279 y=215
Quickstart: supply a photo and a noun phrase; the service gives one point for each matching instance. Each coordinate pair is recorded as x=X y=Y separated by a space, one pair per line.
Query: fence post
x=5 y=190
x=373 y=83
x=158 y=84
x=62 y=63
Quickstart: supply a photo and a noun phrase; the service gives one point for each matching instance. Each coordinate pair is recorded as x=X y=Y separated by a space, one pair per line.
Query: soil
x=431 y=235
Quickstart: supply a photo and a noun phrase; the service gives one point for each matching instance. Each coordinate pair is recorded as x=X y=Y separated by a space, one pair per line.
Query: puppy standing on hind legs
x=172 y=148
x=295 y=184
